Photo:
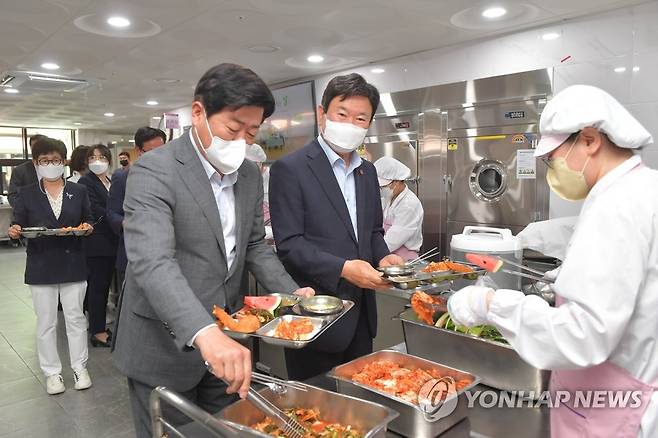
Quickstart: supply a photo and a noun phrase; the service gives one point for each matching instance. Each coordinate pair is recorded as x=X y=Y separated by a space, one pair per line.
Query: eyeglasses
x=54 y=161
x=98 y=158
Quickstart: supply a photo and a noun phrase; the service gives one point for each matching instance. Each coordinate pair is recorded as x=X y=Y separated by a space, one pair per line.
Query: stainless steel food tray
x=420 y=278
x=324 y=322
x=368 y=417
x=497 y=364
x=412 y=421
x=34 y=232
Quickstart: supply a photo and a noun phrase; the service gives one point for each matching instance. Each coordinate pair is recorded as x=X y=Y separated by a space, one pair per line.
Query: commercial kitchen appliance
x=469 y=145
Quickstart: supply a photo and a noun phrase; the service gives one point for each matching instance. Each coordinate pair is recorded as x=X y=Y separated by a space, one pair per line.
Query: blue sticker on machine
x=515 y=115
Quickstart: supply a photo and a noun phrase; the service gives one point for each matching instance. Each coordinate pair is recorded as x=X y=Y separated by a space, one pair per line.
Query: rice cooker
x=497 y=242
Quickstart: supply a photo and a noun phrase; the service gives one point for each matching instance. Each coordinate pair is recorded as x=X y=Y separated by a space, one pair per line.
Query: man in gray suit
x=193 y=223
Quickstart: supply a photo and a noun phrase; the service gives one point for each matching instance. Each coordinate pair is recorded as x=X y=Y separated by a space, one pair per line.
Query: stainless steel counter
x=482 y=422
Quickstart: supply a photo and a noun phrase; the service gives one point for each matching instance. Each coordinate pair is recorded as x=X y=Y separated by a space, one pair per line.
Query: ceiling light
x=315 y=59
x=620 y=69
x=636 y=68
x=131 y=141
x=156 y=118
x=152 y=102
x=50 y=66
x=109 y=114
x=118 y=22
x=77 y=123
x=387 y=103
x=495 y=12
x=469 y=109
x=378 y=70
x=550 y=36
x=11 y=90
x=56 y=79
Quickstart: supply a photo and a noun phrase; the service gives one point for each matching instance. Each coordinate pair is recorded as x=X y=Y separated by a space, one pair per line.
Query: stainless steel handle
x=214 y=425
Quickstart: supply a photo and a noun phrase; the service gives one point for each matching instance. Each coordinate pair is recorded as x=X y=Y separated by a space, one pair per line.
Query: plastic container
x=492 y=241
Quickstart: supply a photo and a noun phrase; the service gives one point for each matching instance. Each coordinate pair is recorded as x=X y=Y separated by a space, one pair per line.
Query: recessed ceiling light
x=315 y=59
x=11 y=90
x=495 y=12
x=152 y=102
x=156 y=118
x=118 y=22
x=77 y=123
x=50 y=66
x=109 y=114
x=620 y=69
x=378 y=70
x=636 y=68
x=550 y=36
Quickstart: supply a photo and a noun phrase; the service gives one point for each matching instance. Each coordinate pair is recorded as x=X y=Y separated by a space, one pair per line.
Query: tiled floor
x=26 y=410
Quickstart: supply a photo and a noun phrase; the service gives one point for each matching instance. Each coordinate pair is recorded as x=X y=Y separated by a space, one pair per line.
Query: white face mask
x=343 y=137
x=50 y=172
x=98 y=167
x=225 y=156
x=387 y=195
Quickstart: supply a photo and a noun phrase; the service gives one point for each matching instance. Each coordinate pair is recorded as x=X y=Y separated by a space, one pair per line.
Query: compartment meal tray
x=420 y=278
x=34 y=232
x=412 y=421
x=320 y=323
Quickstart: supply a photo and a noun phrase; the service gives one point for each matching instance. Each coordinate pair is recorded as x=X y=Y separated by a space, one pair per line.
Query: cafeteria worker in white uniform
x=403 y=212
x=602 y=335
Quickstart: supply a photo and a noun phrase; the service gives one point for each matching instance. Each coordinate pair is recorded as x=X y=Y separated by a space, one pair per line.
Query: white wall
x=596 y=45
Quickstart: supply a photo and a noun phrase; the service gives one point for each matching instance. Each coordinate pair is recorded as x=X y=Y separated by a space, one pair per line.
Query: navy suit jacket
x=314 y=234
x=115 y=213
x=51 y=259
x=103 y=242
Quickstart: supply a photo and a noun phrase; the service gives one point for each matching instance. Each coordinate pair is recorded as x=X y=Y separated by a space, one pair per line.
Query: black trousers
x=209 y=394
x=99 y=280
x=305 y=363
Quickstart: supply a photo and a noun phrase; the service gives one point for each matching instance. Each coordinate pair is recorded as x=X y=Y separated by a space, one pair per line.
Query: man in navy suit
x=146 y=139
x=327 y=220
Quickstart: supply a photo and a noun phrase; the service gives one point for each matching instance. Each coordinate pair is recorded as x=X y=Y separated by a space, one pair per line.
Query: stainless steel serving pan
x=412 y=421
x=497 y=364
x=367 y=417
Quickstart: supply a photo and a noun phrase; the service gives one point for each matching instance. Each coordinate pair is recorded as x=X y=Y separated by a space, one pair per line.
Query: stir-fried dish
x=310 y=419
x=294 y=330
x=401 y=382
x=447 y=265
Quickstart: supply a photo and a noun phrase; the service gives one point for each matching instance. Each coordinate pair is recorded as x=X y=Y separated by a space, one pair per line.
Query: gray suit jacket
x=177 y=264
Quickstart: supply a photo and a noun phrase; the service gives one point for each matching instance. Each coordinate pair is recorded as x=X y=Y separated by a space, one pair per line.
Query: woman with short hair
x=56 y=265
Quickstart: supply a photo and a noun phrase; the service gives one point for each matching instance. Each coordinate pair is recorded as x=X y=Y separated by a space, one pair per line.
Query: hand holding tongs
x=494 y=264
x=290 y=426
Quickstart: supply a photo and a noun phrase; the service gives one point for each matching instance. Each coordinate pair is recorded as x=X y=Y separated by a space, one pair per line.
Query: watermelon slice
x=267 y=302
x=490 y=263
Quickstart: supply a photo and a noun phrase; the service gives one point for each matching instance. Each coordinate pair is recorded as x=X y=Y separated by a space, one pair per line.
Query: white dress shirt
x=222 y=188
x=345 y=177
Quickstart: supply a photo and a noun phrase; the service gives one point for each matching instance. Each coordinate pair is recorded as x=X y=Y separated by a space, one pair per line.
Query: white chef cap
x=255 y=153
x=389 y=169
x=580 y=106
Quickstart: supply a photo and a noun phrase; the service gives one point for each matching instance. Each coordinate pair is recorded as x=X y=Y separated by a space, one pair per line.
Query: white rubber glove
x=468 y=306
x=551 y=276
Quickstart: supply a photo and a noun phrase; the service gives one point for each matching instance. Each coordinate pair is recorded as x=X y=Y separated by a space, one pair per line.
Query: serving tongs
x=291 y=427
x=496 y=264
x=426 y=255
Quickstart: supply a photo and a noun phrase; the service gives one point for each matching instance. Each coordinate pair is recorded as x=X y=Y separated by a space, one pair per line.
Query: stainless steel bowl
x=321 y=305
x=397 y=270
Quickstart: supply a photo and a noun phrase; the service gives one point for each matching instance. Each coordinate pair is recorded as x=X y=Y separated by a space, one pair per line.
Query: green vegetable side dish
x=487 y=332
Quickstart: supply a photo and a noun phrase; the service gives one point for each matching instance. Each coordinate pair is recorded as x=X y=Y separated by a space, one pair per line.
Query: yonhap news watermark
x=438 y=399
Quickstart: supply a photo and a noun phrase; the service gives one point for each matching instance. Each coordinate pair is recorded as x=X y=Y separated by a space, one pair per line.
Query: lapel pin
x=70 y=196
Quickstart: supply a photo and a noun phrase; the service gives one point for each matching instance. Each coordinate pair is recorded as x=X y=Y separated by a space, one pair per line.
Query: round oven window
x=488 y=180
